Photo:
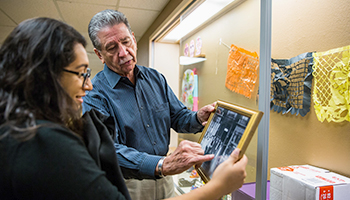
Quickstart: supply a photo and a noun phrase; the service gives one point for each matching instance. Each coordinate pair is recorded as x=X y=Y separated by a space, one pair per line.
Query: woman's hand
x=230 y=175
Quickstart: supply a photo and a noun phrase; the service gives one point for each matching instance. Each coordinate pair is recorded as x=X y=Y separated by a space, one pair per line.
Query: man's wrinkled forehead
x=112 y=33
x=110 y=26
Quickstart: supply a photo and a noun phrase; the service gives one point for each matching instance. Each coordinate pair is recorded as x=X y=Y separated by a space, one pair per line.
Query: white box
x=305 y=182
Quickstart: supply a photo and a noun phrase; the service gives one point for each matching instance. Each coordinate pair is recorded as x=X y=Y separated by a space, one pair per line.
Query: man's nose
x=122 y=51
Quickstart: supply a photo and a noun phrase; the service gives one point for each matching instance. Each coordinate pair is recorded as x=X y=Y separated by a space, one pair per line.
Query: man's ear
x=98 y=53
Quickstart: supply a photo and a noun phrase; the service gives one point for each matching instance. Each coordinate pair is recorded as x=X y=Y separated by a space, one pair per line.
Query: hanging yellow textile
x=331 y=87
x=242 y=71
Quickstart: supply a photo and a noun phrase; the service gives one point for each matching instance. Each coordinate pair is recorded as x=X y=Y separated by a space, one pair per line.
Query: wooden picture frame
x=228 y=127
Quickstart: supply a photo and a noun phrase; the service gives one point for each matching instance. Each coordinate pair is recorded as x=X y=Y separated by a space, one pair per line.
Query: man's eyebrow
x=114 y=43
x=126 y=38
x=110 y=44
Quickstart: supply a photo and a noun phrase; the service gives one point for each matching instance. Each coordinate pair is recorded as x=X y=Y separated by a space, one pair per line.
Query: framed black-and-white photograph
x=230 y=126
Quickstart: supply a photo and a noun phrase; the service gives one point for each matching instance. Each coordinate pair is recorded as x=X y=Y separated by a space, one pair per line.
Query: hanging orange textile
x=331 y=92
x=242 y=71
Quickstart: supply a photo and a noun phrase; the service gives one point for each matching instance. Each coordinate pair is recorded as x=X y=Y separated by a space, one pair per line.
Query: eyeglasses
x=85 y=75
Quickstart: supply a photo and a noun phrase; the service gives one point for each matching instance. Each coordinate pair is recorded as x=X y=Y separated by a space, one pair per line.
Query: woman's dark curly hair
x=31 y=62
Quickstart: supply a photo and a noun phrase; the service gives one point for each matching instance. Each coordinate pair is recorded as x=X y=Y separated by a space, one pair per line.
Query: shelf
x=186 y=175
x=185 y=60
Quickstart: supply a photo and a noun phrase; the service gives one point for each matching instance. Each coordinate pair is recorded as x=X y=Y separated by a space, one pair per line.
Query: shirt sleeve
x=183 y=120
x=135 y=164
x=56 y=165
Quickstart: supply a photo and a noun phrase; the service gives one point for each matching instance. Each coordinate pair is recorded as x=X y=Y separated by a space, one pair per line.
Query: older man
x=144 y=108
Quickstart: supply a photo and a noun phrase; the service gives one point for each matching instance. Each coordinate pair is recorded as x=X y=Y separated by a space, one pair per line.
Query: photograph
x=224 y=132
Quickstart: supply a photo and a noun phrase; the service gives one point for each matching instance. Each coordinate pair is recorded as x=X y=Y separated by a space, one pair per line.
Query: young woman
x=44 y=150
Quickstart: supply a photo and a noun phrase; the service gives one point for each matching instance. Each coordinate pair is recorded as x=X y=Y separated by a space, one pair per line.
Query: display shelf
x=179 y=190
x=185 y=60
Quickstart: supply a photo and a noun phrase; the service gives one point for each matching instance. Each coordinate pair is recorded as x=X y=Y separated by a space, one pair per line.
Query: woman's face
x=73 y=83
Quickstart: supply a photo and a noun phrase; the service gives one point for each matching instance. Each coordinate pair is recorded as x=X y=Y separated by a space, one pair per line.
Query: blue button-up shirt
x=143 y=113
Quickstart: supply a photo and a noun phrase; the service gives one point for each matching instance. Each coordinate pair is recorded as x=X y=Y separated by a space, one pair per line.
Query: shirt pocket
x=161 y=107
x=161 y=118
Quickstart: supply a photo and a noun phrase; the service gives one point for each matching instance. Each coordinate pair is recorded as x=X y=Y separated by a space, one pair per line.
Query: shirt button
x=147 y=125
x=141 y=108
x=154 y=143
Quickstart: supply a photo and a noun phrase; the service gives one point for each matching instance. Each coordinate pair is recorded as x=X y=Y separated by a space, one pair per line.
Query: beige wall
x=143 y=44
x=298 y=26
x=309 y=26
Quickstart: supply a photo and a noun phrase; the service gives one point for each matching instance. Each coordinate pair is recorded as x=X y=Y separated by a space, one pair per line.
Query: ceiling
x=77 y=13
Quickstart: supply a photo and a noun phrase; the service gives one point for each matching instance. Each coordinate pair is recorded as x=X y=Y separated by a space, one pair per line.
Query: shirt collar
x=113 y=78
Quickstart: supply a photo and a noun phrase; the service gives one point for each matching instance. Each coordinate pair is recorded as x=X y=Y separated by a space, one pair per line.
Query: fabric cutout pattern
x=332 y=85
x=198 y=46
x=186 y=50
x=291 y=81
x=242 y=71
x=188 y=88
x=192 y=47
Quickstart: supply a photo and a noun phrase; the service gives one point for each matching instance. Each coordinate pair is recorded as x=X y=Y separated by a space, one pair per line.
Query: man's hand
x=204 y=113
x=185 y=156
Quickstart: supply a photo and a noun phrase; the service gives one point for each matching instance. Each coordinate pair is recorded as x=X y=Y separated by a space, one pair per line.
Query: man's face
x=118 y=48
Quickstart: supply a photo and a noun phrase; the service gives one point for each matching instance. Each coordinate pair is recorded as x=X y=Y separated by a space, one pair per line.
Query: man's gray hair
x=104 y=19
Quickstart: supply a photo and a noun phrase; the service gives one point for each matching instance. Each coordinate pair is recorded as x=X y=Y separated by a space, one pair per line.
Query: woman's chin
x=78 y=106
